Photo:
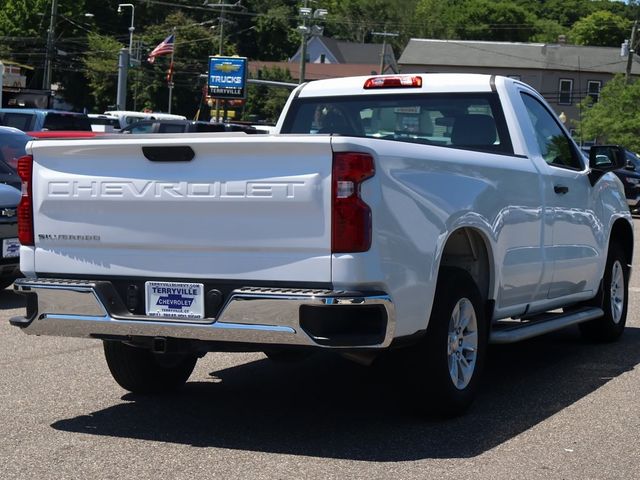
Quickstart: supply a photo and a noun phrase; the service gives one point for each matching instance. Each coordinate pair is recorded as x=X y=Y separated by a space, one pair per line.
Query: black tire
x=438 y=351
x=4 y=283
x=613 y=298
x=139 y=370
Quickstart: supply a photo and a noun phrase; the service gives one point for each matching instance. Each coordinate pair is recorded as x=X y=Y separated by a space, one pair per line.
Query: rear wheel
x=451 y=356
x=139 y=370
x=613 y=298
x=4 y=283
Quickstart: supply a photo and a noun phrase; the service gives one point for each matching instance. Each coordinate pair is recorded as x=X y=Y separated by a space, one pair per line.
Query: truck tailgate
x=244 y=208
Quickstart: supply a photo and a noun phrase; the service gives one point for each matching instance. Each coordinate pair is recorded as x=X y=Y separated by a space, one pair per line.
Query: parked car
x=126 y=118
x=33 y=119
x=104 y=123
x=10 y=255
x=630 y=177
x=12 y=143
x=181 y=126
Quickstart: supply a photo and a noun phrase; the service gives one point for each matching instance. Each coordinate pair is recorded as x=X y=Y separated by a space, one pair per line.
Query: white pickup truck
x=438 y=213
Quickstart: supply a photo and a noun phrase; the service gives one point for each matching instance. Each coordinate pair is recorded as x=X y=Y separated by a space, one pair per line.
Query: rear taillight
x=25 y=208
x=351 y=217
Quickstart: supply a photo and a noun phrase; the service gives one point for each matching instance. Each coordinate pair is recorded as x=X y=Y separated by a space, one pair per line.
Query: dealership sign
x=227 y=77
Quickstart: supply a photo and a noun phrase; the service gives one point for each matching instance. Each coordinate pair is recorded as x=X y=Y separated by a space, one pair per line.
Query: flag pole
x=173 y=51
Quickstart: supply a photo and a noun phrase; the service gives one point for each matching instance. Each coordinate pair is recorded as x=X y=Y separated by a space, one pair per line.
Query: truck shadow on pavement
x=328 y=407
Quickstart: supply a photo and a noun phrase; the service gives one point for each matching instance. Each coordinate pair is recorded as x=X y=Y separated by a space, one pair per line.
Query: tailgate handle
x=169 y=153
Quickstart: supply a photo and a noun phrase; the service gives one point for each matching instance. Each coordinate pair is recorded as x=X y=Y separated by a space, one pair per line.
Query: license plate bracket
x=10 y=248
x=174 y=300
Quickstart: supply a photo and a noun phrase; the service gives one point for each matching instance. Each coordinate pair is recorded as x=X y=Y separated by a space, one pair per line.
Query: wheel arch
x=622 y=233
x=469 y=248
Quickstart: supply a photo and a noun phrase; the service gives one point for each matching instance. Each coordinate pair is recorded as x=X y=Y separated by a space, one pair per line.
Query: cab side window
x=555 y=146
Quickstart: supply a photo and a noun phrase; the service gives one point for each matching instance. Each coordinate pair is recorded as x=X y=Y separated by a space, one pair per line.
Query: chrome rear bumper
x=77 y=308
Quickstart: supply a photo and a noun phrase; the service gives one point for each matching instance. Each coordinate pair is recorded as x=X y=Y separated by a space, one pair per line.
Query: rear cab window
x=20 y=120
x=171 y=127
x=472 y=121
x=61 y=121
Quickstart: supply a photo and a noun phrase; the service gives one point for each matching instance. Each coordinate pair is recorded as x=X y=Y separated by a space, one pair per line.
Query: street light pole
x=124 y=61
x=131 y=28
x=46 y=77
x=632 y=45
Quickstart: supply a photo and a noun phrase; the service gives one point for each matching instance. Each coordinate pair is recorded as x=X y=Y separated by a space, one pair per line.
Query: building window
x=323 y=58
x=565 y=91
x=593 y=89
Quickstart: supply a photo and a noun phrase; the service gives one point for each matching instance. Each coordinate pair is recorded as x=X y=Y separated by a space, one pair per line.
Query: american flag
x=164 y=48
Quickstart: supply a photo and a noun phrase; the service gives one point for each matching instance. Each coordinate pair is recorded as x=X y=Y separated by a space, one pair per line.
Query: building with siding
x=564 y=74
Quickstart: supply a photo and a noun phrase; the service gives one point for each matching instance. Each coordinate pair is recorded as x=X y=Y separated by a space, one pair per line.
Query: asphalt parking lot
x=553 y=407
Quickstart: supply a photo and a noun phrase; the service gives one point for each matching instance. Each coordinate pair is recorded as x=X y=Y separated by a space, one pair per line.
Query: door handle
x=560 y=189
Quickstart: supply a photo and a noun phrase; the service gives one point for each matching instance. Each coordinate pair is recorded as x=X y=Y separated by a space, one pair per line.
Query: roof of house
x=513 y=55
x=317 y=71
x=353 y=52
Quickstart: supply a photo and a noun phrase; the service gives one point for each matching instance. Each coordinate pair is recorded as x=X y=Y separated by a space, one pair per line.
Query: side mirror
x=607 y=157
x=630 y=166
x=603 y=159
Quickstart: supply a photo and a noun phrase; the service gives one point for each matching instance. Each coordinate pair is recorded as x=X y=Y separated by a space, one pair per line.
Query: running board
x=516 y=331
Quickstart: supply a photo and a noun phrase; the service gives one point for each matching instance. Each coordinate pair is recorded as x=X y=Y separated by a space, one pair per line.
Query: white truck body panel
x=103 y=209
x=259 y=209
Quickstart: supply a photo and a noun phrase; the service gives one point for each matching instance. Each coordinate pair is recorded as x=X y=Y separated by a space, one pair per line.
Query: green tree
x=547 y=31
x=355 y=20
x=615 y=117
x=435 y=18
x=24 y=18
x=497 y=21
x=601 y=28
x=271 y=34
x=563 y=12
x=23 y=28
x=101 y=69
x=265 y=103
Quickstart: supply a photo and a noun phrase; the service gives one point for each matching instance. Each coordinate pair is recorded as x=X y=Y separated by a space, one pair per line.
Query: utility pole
x=632 y=45
x=384 y=36
x=46 y=77
x=306 y=31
